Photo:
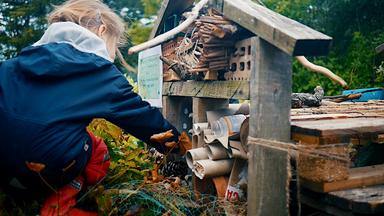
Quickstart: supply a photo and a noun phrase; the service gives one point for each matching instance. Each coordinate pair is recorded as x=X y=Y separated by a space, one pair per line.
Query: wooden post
x=176 y=110
x=200 y=106
x=271 y=84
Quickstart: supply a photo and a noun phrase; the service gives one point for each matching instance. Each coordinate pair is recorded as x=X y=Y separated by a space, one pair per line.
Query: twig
x=342 y=98
x=124 y=63
x=192 y=16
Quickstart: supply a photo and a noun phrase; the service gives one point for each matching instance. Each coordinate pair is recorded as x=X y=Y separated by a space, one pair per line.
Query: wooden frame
x=278 y=39
x=268 y=175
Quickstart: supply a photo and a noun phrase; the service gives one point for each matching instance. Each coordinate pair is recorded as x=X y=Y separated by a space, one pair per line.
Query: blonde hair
x=90 y=14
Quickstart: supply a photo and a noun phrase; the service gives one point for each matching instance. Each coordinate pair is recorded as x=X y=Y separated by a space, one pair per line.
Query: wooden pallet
x=358 y=177
x=358 y=123
x=359 y=108
x=339 y=130
x=359 y=201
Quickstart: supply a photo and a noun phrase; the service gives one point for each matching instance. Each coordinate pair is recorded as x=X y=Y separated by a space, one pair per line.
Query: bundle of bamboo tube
x=214 y=44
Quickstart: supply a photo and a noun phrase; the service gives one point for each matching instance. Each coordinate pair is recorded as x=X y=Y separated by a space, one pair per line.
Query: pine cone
x=175 y=168
x=157 y=156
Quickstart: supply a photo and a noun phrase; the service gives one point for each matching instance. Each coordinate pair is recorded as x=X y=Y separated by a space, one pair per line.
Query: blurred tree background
x=22 y=22
x=357 y=27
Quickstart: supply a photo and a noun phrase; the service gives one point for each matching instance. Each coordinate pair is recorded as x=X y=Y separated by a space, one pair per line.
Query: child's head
x=95 y=16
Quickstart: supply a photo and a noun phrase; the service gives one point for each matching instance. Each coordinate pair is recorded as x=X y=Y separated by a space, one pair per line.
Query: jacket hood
x=65 y=48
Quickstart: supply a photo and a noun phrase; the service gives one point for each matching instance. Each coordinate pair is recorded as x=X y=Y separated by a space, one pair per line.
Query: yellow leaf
x=185 y=143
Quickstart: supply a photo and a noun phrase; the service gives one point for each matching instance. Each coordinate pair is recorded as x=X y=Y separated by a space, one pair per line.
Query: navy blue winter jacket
x=51 y=92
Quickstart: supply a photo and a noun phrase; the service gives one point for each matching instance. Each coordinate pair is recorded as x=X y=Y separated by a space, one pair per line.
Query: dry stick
x=192 y=16
x=214 y=21
x=198 y=70
x=124 y=63
x=322 y=70
x=342 y=98
x=46 y=183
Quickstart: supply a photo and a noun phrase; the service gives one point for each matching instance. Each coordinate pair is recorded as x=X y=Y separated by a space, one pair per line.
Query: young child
x=52 y=91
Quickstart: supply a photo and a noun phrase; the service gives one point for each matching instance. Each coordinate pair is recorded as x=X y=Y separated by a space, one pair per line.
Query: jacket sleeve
x=136 y=116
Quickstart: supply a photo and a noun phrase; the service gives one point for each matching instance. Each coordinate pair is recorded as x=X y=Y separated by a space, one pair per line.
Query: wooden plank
x=364 y=109
x=326 y=116
x=160 y=16
x=358 y=177
x=367 y=200
x=221 y=184
x=288 y=35
x=208 y=89
x=339 y=127
x=268 y=173
x=323 y=207
x=356 y=139
x=167 y=8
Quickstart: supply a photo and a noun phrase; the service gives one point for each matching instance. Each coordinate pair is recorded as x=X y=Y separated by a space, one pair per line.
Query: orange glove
x=62 y=202
x=184 y=142
x=162 y=137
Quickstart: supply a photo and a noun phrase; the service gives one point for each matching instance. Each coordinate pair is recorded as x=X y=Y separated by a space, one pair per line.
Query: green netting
x=137 y=198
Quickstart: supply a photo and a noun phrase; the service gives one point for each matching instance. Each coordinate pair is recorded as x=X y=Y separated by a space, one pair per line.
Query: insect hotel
x=219 y=51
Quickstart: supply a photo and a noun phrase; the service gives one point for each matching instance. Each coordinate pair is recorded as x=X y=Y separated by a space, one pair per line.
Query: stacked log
x=214 y=44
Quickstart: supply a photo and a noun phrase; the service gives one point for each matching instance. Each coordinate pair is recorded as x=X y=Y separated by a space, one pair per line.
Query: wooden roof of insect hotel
x=288 y=35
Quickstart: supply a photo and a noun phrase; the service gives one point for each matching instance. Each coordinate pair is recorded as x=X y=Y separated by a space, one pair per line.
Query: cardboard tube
x=216 y=151
x=199 y=127
x=244 y=131
x=210 y=168
x=196 y=154
x=237 y=150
